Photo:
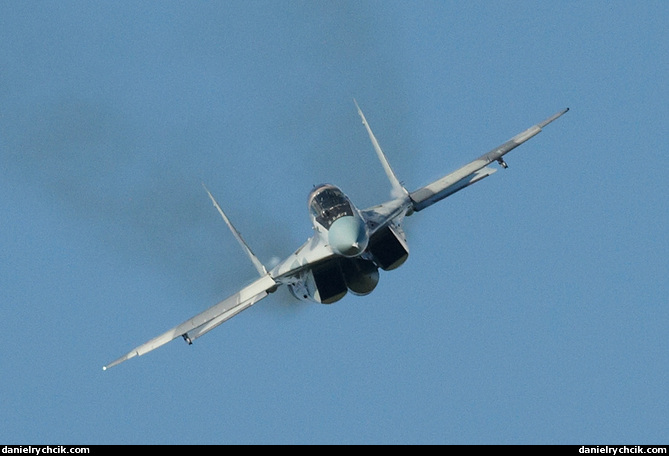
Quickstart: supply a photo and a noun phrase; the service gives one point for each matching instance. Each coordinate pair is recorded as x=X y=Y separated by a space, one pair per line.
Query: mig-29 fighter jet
x=348 y=247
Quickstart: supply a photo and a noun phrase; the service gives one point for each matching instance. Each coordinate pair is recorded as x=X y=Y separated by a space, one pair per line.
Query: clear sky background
x=533 y=307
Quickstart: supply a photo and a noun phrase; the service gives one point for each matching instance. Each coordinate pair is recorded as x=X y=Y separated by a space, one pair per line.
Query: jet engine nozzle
x=347 y=236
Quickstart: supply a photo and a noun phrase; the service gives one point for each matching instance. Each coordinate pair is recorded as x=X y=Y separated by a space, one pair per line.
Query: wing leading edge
x=207 y=320
x=475 y=170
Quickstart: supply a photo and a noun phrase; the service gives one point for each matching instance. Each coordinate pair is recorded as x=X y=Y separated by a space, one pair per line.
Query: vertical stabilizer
x=256 y=262
x=398 y=189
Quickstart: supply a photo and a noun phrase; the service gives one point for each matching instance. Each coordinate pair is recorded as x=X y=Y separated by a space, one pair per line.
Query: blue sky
x=532 y=309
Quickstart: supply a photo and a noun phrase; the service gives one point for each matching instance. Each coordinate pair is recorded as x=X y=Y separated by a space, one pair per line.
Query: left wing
x=207 y=320
x=474 y=171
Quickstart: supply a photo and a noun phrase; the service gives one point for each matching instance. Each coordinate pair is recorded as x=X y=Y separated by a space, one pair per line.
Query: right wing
x=207 y=320
x=474 y=171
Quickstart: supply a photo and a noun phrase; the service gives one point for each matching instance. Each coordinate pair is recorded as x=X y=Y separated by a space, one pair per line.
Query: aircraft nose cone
x=347 y=236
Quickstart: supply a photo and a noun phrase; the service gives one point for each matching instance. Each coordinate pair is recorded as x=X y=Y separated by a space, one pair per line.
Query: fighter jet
x=348 y=247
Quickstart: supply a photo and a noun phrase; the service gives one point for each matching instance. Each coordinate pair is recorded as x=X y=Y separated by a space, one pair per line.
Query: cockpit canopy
x=328 y=203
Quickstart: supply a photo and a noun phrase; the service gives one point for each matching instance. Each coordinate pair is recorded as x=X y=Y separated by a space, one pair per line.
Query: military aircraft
x=348 y=247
